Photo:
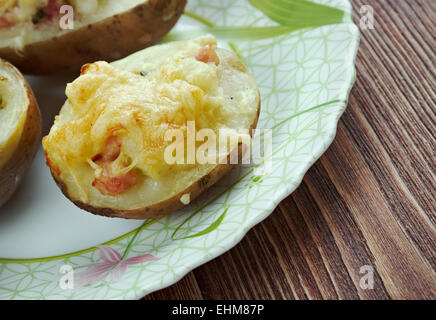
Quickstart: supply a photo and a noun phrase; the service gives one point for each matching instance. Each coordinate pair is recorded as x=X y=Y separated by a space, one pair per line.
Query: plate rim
x=318 y=151
x=267 y=212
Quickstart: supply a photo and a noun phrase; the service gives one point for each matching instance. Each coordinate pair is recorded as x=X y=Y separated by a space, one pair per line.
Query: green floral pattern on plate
x=304 y=78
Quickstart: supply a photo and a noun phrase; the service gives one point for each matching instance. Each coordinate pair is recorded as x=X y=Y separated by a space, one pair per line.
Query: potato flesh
x=87 y=12
x=141 y=108
x=240 y=95
x=13 y=112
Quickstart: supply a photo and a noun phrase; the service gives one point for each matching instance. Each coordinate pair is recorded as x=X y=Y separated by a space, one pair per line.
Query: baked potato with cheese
x=32 y=39
x=20 y=129
x=120 y=146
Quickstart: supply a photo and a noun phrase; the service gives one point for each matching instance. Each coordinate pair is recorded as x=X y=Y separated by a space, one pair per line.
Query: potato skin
x=165 y=207
x=109 y=39
x=159 y=209
x=12 y=173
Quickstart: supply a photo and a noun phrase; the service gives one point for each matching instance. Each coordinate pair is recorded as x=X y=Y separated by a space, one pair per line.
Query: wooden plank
x=402 y=267
x=338 y=235
x=370 y=200
x=186 y=289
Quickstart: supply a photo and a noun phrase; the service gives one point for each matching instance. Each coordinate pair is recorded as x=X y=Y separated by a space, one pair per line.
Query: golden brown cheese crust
x=167 y=206
x=154 y=198
x=136 y=110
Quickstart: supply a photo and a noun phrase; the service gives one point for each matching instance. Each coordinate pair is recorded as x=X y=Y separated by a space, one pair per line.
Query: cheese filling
x=29 y=21
x=118 y=119
x=15 y=12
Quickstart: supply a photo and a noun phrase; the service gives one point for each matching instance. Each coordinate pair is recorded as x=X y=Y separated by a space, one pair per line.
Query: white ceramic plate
x=304 y=77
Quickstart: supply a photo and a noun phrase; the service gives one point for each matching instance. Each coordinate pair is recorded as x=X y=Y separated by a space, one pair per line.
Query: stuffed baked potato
x=20 y=129
x=31 y=37
x=108 y=149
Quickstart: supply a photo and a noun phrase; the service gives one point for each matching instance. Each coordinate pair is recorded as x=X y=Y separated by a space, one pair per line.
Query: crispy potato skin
x=109 y=39
x=165 y=207
x=12 y=174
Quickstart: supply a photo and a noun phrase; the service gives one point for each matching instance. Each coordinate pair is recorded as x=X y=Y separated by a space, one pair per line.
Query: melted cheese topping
x=116 y=117
x=107 y=101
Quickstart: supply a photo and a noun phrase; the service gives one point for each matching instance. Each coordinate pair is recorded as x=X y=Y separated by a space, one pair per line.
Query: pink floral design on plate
x=114 y=266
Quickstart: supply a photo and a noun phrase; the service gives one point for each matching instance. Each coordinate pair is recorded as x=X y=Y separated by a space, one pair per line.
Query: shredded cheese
x=139 y=109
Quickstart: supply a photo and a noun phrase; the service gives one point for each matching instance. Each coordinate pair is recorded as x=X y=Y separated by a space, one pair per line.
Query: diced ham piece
x=5 y=23
x=52 y=10
x=207 y=54
x=114 y=186
x=111 y=151
x=106 y=183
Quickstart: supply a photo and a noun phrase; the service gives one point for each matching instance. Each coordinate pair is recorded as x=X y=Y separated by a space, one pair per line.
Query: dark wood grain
x=369 y=200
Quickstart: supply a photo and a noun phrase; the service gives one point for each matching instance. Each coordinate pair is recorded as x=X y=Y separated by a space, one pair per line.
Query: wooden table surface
x=370 y=199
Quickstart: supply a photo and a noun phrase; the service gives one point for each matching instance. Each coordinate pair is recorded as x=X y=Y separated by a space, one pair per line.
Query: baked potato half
x=126 y=143
x=32 y=39
x=20 y=129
